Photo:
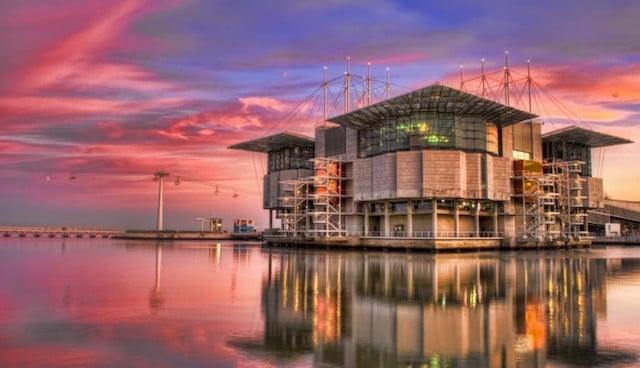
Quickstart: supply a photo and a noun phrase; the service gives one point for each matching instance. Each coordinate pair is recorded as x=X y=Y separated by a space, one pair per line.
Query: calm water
x=81 y=302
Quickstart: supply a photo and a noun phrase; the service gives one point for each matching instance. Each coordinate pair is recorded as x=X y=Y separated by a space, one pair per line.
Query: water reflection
x=156 y=300
x=117 y=303
x=356 y=309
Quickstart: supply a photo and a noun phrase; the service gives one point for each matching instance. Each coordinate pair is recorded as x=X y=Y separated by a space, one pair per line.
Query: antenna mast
x=387 y=85
x=529 y=82
x=506 y=78
x=347 y=86
x=325 y=86
x=484 y=80
x=368 y=95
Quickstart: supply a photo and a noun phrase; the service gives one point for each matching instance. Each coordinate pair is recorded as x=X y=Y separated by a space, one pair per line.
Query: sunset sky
x=109 y=92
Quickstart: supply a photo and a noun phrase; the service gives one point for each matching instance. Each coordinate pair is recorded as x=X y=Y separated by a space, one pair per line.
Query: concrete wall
x=384 y=176
x=319 y=143
x=362 y=179
x=594 y=192
x=443 y=173
x=422 y=223
x=409 y=178
x=474 y=175
x=467 y=224
x=354 y=223
x=537 y=141
x=431 y=173
x=352 y=142
x=499 y=173
x=272 y=189
x=507 y=141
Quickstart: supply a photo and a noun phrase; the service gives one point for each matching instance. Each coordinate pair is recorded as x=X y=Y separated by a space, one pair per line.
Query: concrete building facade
x=436 y=168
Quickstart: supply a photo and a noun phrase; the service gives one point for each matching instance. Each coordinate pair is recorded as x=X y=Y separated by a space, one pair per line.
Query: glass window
x=425 y=130
x=290 y=158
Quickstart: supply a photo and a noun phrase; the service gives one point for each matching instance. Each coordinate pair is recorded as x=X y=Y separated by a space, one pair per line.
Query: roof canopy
x=275 y=142
x=587 y=137
x=432 y=98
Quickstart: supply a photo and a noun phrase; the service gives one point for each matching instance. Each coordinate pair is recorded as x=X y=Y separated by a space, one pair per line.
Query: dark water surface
x=111 y=303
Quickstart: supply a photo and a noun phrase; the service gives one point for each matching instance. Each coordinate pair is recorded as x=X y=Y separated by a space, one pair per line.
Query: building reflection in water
x=386 y=309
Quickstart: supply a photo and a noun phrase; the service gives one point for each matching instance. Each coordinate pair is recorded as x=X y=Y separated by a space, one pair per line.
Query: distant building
x=435 y=168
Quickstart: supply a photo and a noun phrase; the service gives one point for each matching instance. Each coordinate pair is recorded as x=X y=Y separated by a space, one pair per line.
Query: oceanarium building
x=435 y=168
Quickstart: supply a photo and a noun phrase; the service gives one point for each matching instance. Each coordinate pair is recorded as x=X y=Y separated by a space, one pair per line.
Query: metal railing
x=397 y=234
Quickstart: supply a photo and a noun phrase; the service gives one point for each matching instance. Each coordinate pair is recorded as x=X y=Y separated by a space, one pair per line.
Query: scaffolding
x=571 y=201
x=549 y=200
x=295 y=203
x=328 y=180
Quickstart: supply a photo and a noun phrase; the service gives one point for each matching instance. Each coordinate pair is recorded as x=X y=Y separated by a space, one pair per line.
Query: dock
x=57 y=232
x=185 y=235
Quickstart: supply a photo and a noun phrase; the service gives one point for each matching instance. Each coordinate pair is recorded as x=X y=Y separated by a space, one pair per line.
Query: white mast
x=506 y=78
x=484 y=80
x=347 y=86
x=160 y=177
x=387 y=85
x=325 y=86
x=529 y=82
x=461 y=78
x=368 y=95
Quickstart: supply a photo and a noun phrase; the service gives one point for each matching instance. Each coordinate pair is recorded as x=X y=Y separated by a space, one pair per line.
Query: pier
x=57 y=232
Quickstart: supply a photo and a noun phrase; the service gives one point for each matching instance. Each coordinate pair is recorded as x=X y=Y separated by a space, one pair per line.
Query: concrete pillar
x=410 y=218
x=586 y=225
x=456 y=218
x=476 y=218
x=434 y=217
x=365 y=210
x=387 y=224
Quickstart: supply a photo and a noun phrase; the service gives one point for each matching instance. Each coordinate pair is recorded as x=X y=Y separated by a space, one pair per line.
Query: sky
x=96 y=97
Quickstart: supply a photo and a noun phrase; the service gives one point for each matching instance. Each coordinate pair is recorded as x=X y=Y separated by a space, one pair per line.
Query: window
x=519 y=155
x=425 y=130
x=290 y=158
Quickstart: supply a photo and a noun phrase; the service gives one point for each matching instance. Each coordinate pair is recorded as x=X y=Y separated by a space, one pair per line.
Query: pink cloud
x=112 y=130
x=77 y=51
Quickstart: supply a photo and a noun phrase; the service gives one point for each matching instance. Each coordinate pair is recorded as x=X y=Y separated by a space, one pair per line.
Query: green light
x=437 y=139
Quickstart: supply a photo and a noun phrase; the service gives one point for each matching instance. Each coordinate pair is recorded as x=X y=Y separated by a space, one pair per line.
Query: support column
x=434 y=217
x=586 y=226
x=410 y=218
x=386 y=219
x=270 y=218
x=365 y=210
x=456 y=218
x=476 y=218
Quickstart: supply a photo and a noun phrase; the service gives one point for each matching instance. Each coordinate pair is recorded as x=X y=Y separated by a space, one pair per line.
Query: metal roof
x=432 y=98
x=275 y=142
x=587 y=137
